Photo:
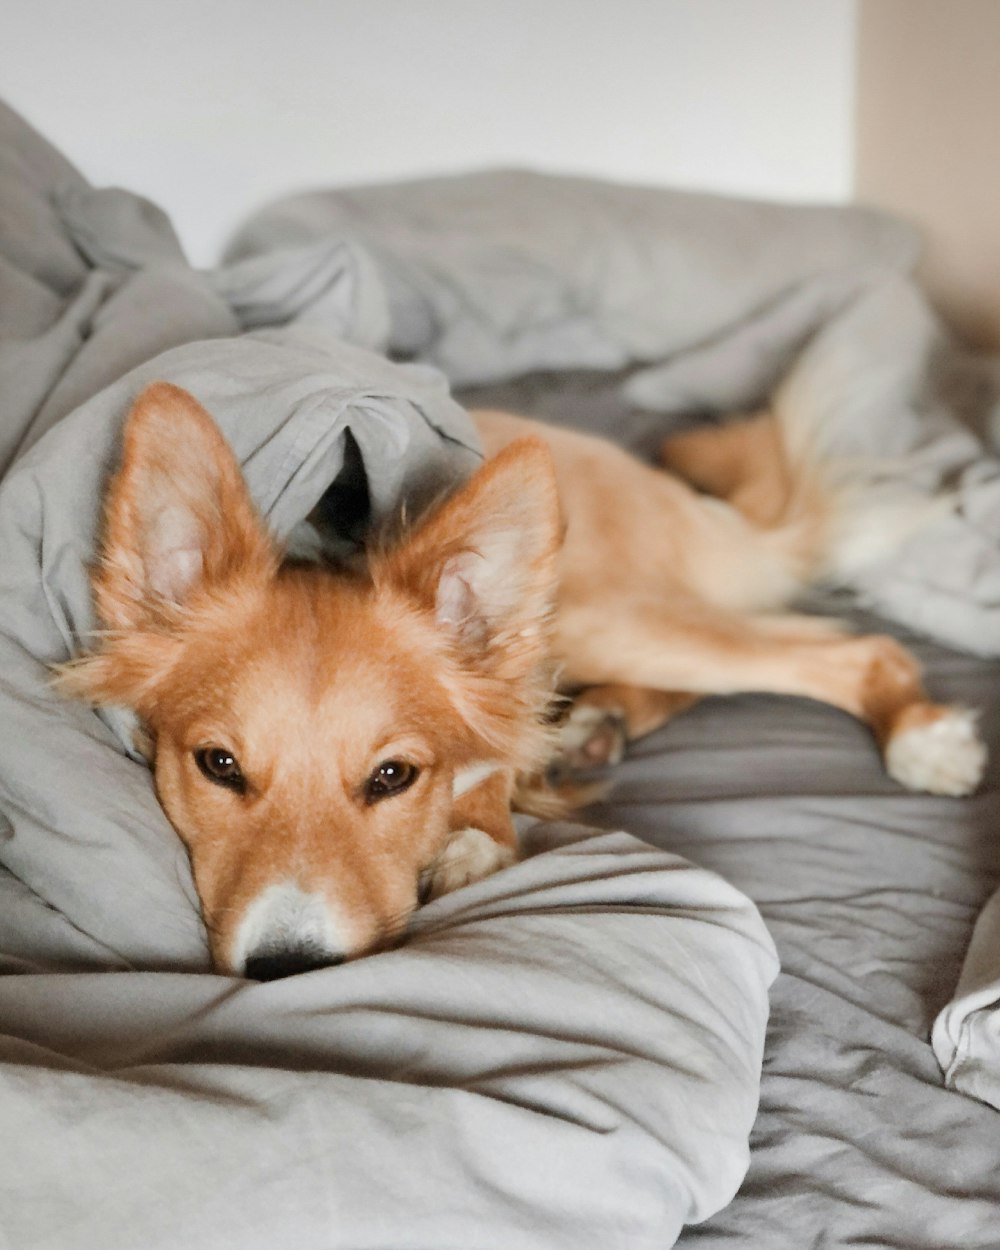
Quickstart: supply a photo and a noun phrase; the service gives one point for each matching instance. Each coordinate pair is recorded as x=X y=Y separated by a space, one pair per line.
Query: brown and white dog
x=332 y=746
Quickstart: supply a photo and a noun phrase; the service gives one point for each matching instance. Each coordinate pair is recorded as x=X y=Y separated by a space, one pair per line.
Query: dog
x=333 y=747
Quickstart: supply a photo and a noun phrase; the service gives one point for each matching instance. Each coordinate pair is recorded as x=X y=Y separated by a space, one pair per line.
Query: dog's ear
x=487 y=558
x=178 y=516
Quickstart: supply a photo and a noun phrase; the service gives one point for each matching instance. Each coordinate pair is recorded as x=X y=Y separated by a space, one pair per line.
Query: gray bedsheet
x=871 y=895
x=720 y=301
x=566 y=1055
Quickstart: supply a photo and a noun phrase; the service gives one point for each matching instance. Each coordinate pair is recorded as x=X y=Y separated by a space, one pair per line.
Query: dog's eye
x=222 y=767
x=391 y=777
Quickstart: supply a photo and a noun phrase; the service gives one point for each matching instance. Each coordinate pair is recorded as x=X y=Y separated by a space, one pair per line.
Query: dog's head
x=307 y=727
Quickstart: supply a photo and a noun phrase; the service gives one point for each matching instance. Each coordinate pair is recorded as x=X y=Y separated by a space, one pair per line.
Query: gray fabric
x=966 y=1034
x=565 y=1055
x=285 y=404
x=493 y=274
x=437 y=1093
x=871 y=895
x=92 y=283
x=873 y=384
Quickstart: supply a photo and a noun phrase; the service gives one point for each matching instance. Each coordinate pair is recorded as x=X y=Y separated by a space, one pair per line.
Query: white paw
x=944 y=756
x=591 y=736
x=470 y=856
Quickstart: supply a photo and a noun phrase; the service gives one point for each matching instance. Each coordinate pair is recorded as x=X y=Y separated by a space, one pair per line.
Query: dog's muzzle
x=287 y=930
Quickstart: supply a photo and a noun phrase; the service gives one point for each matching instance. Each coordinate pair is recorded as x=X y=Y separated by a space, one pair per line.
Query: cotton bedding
x=871 y=895
x=567 y=1054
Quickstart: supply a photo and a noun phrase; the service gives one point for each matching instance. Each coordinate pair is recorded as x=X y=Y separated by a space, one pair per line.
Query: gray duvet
x=567 y=1054
x=713 y=304
x=871 y=895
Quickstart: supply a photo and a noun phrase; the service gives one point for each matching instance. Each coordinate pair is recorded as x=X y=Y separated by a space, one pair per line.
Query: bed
x=571 y=1053
x=871 y=895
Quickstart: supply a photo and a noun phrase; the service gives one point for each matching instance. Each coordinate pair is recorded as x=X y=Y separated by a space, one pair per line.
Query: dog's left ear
x=487 y=559
x=178 y=518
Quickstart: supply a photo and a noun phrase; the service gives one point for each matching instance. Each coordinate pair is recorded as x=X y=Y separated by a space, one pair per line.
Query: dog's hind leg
x=602 y=720
x=690 y=646
x=742 y=462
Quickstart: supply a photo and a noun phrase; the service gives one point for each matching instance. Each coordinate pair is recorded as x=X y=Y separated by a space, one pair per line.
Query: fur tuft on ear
x=486 y=559
x=485 y=564
x=179 y=523
x=125 y=673
x=178 y=515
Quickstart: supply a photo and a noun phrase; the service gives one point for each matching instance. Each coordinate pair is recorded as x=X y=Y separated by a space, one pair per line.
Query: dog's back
x=668 y=590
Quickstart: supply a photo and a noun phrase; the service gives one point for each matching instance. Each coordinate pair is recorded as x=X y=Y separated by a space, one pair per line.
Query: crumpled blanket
x=966 y=1035
x=713 y=302
x=567 y=1054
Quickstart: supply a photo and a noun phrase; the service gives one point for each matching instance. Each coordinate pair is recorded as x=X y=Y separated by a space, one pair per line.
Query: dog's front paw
x=590 y=737
x=470 y=856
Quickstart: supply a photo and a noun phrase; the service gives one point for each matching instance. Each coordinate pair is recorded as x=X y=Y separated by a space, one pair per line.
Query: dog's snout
x=285 y=930
x=274 y=964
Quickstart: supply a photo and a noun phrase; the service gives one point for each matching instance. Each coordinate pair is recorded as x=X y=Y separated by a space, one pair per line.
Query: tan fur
x=681 y=592
x=488 y=807
x=440 y=654
x=641 y=710
x=311 y=679
x=743 y=462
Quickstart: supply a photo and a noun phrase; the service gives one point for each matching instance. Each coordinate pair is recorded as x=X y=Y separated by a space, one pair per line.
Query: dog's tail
x=812 y=472
x=834 y=414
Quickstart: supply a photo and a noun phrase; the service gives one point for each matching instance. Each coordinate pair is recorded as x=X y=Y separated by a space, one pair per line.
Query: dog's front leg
x=483 y=839
x=603 y=719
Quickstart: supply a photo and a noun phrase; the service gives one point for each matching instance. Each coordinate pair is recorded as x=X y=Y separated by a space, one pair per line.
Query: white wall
x=212 y=106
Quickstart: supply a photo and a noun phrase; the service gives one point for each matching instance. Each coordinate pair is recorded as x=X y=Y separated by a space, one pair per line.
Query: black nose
x=272 y=965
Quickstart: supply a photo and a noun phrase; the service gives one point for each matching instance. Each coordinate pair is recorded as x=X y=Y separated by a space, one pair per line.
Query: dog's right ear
x=486 y=560
x=179 y=518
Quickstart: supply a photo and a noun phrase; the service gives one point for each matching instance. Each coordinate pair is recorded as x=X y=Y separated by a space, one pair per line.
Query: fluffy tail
x=848 y=417
x=820 y=512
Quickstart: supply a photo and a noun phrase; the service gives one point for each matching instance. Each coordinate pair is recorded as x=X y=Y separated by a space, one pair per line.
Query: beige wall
x=928 y=142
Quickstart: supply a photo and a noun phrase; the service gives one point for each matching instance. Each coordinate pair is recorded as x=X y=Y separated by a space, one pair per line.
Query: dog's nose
x=272 y=965
x=287 y=929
